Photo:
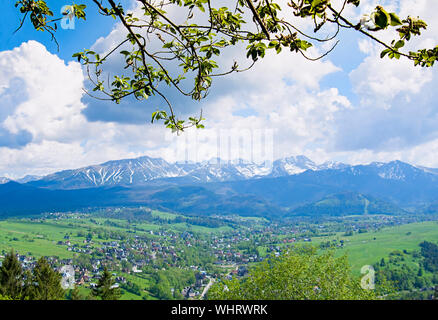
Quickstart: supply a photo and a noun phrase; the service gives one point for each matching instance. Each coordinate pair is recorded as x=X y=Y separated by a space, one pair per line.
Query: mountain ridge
x=143 y=170
x=230 y=188
x=348 y=203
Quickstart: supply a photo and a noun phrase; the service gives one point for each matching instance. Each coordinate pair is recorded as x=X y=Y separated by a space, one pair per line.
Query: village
x=145 y=261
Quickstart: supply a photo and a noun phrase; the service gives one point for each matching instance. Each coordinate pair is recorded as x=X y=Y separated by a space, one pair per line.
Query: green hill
x=349 y=203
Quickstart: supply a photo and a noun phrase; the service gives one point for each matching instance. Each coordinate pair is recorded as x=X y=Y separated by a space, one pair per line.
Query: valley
x=160 y=255
x=294 y=186
x=170 y=231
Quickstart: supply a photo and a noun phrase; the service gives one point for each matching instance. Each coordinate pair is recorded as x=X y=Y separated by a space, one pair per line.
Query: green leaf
x=381 y=18
x=385 y=52
x=395 y=20
x=399 y=44
x=354 y=2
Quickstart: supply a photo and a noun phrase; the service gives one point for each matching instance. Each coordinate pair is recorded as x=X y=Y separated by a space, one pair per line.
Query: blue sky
x=351 y=106
x=83 y=36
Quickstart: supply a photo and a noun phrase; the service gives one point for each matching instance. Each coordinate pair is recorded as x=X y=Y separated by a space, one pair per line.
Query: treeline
x=301 y=273
x=135 y=215
x=131 y=287
x=44 y=283
x=429 y=251
x=102 y=233
x=168 y=284
x=408 y=280
x=125 y=213
x=201 y=221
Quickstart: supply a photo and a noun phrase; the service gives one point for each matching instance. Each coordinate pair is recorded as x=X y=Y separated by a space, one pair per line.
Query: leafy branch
x=186 y=58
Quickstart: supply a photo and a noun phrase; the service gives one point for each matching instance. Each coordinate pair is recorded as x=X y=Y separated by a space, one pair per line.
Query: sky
x=350 y=106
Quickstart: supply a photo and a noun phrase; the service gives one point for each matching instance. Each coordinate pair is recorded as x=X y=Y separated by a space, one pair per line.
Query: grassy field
x=368 y=248
x=362 y=248
x=37 y=238
x=164 y=215
x=40 y=238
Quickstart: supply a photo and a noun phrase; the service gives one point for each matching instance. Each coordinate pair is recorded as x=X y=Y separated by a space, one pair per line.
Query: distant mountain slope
x=199 y=200
x=431 y=208
x=348 y=203
x=17 y=199
x=28 y=178
x=292 y=165
x=4 y=180
x=396 y=182
x=111 y=173
x=239 y=188
x=143 y=170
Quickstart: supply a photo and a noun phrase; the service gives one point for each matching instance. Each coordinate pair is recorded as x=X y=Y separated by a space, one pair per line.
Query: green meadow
x=368 y=248
x=39 y=238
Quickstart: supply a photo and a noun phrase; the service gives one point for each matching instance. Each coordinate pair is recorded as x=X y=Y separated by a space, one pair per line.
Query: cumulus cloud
x=379 y=81
x=397 y=108
x=388 y=111
x=42 y=127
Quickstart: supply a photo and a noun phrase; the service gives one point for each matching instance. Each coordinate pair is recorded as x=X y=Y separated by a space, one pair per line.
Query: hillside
x=345 y=204
x=294 y=185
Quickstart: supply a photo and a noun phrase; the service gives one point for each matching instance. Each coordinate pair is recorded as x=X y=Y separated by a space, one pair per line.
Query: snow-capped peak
x=144 y=169
x=292 y=165
x=4 y=180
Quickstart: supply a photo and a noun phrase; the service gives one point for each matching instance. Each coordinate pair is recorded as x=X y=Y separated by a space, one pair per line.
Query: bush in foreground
x=296 y=275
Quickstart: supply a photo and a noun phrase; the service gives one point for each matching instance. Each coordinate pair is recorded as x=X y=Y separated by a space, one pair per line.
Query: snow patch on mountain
x=292 y=165
x=4 y=180
x=145 y=169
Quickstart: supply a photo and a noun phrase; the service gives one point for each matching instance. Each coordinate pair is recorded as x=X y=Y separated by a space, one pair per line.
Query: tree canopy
x=295 y=275
x=11 y=274
x=42 y=283
x=105 y=288
x=177 y=43
x=45 y=282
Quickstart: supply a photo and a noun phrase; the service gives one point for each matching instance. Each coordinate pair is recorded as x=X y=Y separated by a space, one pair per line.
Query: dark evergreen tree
x=105 y=288
x=429 y=251
x=11 y=277
x=46 y=282
x=27 y=285
x=74 y=294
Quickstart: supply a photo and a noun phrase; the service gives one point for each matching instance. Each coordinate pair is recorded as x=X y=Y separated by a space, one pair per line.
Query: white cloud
x=53 y=108
x=47 y=103
x=379 y=81
x=394 y=118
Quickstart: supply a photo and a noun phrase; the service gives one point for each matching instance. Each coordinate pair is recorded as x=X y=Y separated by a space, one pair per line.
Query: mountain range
x=348 y=203
x=4 y=180
x=143 y=170
x=289 y=186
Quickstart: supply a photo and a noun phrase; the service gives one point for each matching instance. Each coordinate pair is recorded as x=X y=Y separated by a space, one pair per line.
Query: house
x=135 y=270
x=242 y=271
x=189 y=292
x=185 y=291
